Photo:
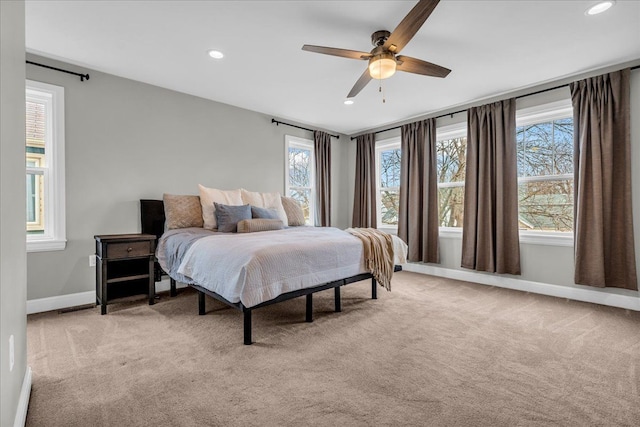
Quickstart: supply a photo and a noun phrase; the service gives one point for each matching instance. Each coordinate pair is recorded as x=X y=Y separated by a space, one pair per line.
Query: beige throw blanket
x=378 y=253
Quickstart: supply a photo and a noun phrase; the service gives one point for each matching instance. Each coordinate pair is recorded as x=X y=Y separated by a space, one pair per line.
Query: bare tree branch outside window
x=545 y=171
x=452 y=155
x=300 y=179
x=389 y=168
x=545 y=178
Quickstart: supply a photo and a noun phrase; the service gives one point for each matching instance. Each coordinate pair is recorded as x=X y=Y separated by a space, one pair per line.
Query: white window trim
x=305 y=144
x=538 y=114
x=54 y=192
x=545 y=112
x=384 y=145
x=456 y=130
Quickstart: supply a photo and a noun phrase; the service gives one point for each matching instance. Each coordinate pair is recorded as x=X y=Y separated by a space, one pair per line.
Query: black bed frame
x=152 y=215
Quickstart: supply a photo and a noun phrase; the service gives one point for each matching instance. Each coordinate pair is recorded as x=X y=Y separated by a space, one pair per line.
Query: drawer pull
x=129 y=249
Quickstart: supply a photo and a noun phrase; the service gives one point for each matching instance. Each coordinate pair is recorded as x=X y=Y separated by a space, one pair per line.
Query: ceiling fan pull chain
x=381 y=90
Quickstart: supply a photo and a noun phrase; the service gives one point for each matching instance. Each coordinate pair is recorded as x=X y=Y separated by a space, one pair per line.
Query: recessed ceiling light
x=600 y=7
x=216 y=54
x=348 y=102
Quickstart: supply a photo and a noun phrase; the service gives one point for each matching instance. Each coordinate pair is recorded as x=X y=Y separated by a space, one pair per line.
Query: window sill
x=450 y=232
x=526 y=237
x=389 y=229
x=546 y=239
x=45 y=245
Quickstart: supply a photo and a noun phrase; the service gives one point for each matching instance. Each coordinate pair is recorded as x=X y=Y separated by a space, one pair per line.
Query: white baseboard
x=61 y=301
x=621 y=298
x=81 y=298
x=23 y=402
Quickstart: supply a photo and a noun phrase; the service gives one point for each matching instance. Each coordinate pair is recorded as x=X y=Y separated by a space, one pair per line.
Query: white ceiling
x=491 y=46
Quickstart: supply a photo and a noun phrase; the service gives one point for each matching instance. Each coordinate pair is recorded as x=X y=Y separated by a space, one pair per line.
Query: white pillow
x=265 y=200
x=210 y=195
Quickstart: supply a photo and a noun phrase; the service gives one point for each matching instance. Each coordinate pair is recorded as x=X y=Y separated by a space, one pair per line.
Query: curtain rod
x=462 y=111
x=299 y=127
x=82 y=76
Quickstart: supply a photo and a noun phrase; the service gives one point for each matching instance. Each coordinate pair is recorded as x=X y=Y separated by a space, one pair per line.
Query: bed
x=248 y=271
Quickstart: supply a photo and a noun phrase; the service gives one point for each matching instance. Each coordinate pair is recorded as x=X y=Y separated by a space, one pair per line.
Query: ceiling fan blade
x=345 y=53
x=410 y=25
x=360 y=84
x=418 y=66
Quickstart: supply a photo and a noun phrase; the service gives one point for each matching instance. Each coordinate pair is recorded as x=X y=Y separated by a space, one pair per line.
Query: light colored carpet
x=433 y=352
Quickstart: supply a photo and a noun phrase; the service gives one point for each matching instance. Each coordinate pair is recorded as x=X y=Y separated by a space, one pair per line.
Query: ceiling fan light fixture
x=600 y=7
x=382 y=66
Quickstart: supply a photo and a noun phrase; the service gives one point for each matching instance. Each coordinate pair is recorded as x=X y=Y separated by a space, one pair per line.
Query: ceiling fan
x=383 y=59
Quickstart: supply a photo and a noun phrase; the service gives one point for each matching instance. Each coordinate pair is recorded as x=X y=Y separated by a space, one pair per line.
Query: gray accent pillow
x=228 y=216
x=264 y=213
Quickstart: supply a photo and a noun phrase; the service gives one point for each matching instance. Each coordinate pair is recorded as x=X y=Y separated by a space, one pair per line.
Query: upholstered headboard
x=152 y=217
x=152 y=221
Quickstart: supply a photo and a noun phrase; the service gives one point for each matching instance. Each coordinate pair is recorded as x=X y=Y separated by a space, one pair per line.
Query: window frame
x=305 y=144
x=393 y=143
x=452 y=131
x=550 y=111
x=54 y=237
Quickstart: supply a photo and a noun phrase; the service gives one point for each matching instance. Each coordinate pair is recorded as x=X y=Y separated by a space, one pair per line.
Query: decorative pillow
x=210 y=195
x=259 y=224
x=295 y=215
x=228 y=216
x=265 y=213
x=182 y=211
x=265 y=200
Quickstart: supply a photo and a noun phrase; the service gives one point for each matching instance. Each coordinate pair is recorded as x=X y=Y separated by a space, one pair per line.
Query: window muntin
x=300 y=173
x=451 y=152
x=545 y=169
x=44 y=162
x=388 y=158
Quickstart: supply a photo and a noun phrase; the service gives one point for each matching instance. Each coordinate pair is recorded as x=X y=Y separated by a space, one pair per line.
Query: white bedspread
x=255 y=267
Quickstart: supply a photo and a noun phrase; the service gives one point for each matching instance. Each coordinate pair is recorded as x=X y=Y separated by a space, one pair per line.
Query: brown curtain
x=603 y=230
x=418 y=218
x=364 y=201
x=490 y=224
x=322 y=150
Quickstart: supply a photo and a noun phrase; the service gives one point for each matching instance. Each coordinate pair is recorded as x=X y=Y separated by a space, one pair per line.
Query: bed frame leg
x=336 y=291
x=247 y=327
x=201 y=307
x=173 y=292
x=374 y=289
x=309 y=314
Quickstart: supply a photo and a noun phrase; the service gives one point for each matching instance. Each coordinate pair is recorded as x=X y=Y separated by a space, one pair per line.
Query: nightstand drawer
x=128 y=249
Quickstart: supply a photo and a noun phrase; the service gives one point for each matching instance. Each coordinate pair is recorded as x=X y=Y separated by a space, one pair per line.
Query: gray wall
x=13 y=282
x=540 y=263
x=127 y=140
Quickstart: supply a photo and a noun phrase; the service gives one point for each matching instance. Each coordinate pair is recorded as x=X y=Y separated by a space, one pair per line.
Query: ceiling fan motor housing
x=379 y=37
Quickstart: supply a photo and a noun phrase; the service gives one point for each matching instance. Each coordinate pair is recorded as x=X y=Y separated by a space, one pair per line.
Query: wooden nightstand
x=124 y=267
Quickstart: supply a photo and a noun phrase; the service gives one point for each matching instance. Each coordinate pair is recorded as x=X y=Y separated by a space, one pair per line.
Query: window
x=45 y=225
x=451 y=150
x=388 y=157
x=544 y=138
x=300 y=173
